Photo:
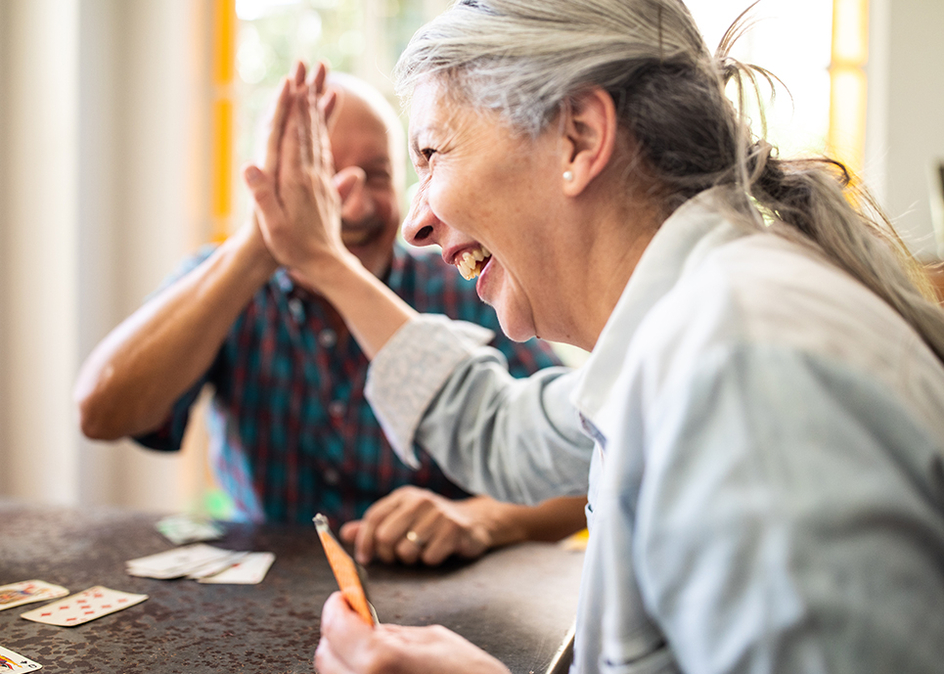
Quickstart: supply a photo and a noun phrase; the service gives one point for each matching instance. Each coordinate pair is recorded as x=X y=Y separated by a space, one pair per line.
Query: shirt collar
x=691 y=232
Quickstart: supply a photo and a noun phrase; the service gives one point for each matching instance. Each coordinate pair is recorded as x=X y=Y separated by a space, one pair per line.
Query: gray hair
x=527 y=59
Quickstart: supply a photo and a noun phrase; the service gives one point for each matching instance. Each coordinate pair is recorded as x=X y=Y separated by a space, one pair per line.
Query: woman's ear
x=589 y=137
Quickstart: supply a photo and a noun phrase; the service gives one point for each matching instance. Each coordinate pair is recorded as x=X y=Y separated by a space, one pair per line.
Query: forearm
x=129 y=382
x=506 y=523
x=371 y=311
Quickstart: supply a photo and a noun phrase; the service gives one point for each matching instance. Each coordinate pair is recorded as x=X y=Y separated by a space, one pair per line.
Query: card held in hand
x=345 y=572
x=80 y=608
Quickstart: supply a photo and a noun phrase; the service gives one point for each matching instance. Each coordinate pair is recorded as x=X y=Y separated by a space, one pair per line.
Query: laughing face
x=487 y=197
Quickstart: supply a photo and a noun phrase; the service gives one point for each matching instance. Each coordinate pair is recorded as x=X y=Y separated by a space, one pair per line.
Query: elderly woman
x=765 y=392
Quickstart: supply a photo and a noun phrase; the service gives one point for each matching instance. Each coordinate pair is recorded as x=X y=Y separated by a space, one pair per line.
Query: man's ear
x=589 y=137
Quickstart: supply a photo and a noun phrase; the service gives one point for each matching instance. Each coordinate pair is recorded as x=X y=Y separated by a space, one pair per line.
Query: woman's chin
x=514 y=315
x=516 y=326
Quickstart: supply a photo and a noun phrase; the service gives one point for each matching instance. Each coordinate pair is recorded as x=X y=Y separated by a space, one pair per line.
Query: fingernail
x=253 y=175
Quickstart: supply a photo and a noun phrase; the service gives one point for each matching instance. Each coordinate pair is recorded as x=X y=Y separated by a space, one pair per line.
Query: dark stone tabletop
x=517 y=603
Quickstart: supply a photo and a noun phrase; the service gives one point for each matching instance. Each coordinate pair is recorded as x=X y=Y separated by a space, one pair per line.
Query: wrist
x=251 y=253
x=330 y=275
x=499 y=523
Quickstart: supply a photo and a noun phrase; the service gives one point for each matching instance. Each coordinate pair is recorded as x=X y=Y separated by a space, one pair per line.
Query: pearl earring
x=568 y=176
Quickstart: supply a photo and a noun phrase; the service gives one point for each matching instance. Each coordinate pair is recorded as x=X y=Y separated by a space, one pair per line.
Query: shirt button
x=297 y=308
x=327 y=338
x=336 y=408
x=331 y=477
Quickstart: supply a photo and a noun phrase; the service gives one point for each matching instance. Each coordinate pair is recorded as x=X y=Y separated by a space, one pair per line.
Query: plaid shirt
x=291 y=434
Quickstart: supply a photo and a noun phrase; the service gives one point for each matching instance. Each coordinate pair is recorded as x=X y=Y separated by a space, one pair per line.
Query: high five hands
x=297 y=194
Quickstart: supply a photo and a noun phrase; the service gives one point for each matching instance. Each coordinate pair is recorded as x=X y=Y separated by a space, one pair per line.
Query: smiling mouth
x=471 y=263
x=355 y=234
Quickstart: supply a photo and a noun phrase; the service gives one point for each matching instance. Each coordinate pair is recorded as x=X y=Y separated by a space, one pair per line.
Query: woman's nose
x=420 y=226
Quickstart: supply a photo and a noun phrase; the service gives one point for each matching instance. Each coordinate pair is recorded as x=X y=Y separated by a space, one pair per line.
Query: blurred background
x=124 y=125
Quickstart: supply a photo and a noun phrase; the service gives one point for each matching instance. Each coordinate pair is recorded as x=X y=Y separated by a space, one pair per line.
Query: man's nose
x=421 y=225
x=357 y=204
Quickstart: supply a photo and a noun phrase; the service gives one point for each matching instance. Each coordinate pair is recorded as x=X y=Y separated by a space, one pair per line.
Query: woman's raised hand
x=296 y=198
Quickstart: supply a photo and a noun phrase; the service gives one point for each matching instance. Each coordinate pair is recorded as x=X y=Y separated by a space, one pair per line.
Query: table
x=517 y=603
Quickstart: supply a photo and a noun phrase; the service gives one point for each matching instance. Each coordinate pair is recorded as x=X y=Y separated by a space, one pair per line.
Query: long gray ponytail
x=527 y=58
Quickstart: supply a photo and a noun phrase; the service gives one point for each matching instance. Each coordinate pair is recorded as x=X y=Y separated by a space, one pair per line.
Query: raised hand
x=297 y=199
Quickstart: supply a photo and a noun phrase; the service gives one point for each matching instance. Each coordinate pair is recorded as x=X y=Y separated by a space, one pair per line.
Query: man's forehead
x=360 y=141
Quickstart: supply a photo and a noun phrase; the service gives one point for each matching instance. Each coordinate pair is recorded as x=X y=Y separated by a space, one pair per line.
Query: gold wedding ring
x=414 y=538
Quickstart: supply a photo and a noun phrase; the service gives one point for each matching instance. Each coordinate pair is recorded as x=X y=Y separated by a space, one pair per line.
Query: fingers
x=348 y=531
x=412 y=525
x=348 y=181
x=279 y=117
x=364 y=544
x=298 y=76
x=304 y=128
x=262 y=188
x=412 y=504
x=318 y=77
x=322 y=105
x=351 y=184
x=344 y=638
x=327 y=105
x=437 y=537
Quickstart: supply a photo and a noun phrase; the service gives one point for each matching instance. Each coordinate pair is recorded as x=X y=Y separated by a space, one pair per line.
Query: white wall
x=906 y=112
x=40 y=141
x=103 y=137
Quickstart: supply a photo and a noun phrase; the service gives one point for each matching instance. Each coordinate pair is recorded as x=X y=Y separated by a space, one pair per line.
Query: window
x=362 y=37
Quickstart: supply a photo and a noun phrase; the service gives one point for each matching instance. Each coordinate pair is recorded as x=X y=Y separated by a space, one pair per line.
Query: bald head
x=367 y=141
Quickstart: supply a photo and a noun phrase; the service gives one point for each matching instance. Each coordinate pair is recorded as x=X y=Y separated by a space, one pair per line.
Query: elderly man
x=291 y=432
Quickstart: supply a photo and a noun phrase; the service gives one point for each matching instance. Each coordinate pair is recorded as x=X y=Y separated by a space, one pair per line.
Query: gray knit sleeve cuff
x=411 y=368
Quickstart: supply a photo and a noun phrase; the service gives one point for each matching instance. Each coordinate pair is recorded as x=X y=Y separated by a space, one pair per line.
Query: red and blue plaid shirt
x=291 y=434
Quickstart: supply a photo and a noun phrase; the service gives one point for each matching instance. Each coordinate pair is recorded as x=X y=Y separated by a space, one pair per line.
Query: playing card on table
x=214 y=567
x=28 y=591
x=14 y=662
x=180 y=529
x=176 y=563
x=93 y=603
x=250 y=570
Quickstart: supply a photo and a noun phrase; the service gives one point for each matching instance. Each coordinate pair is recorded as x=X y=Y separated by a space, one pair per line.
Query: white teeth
x=470 y=264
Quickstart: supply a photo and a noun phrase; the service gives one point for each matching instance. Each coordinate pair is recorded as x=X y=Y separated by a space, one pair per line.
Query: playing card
x=180 y=529
x=93 y=603
x=175 y=563
x=215 y=567
x=250 y=570
x=14 y=662
x=28 y=591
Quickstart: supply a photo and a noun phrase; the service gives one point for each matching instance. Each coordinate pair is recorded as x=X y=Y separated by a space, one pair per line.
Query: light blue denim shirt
x=767 y=479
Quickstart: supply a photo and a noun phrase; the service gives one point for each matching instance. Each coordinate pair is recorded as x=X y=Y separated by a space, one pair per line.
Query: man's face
x=371 y=214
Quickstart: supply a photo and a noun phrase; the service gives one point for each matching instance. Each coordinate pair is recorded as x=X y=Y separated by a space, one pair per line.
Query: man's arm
x=130 y=381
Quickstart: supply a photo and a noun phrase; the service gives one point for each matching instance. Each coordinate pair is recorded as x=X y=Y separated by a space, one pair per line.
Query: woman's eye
x=427 y=152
